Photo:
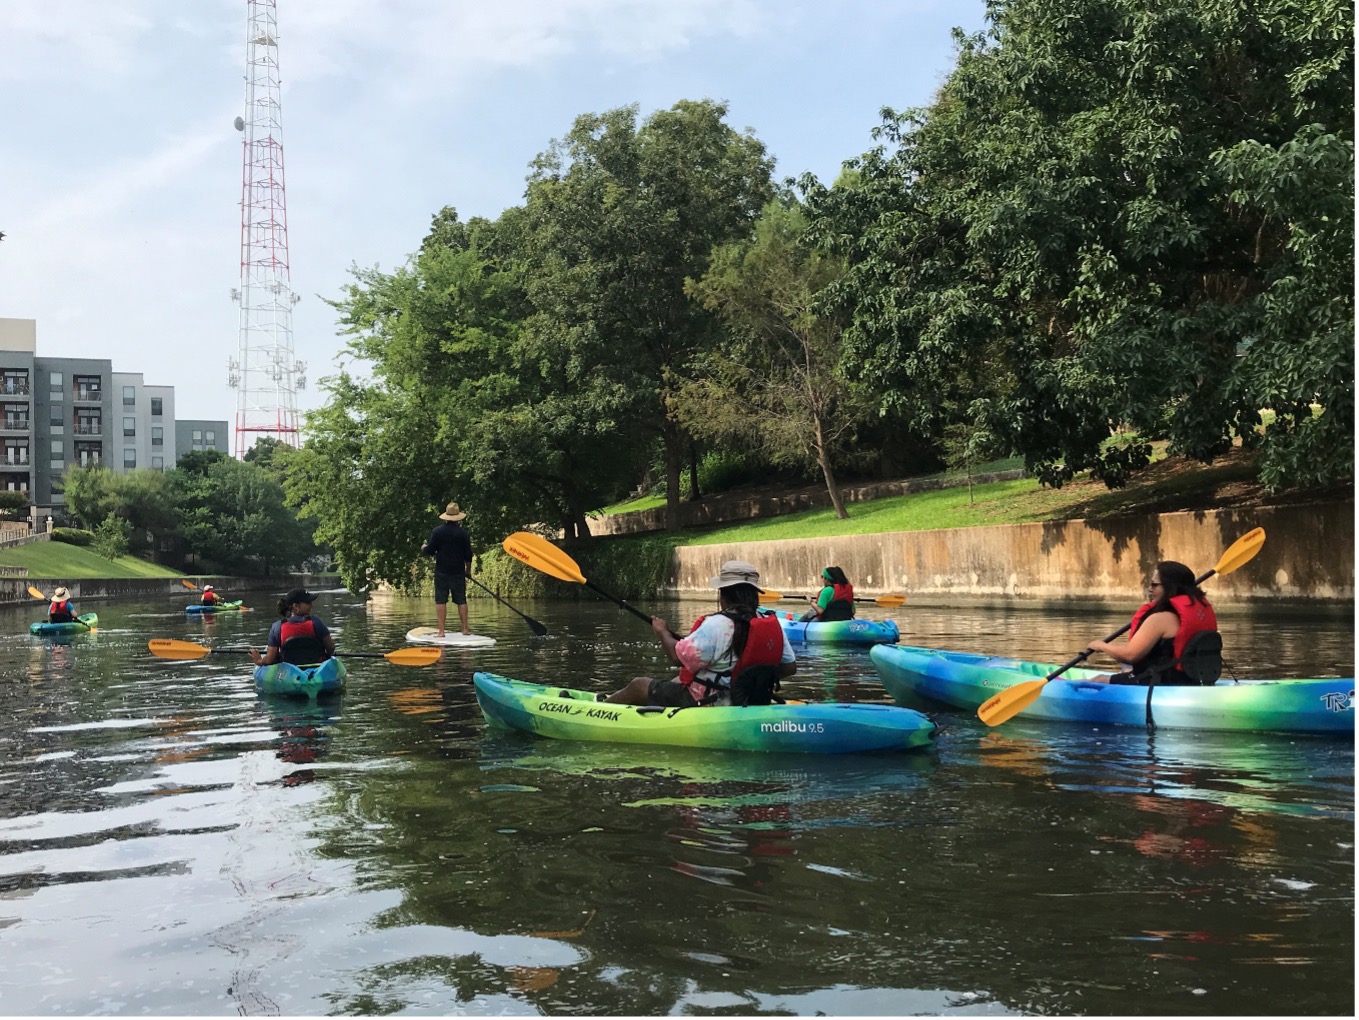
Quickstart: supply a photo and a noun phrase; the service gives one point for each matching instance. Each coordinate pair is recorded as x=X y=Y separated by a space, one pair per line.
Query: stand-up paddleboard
x=451 y=639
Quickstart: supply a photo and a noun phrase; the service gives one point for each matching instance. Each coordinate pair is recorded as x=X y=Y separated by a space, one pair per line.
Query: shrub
x=110 y=538
x=73 y=536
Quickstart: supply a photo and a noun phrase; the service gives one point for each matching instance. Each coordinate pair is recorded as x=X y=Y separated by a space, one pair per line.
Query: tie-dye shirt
x=707 y=651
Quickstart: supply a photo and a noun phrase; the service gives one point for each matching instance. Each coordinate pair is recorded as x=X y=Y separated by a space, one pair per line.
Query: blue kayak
x=304 y=681
x=966 y=681
x=87 y=622
x=839 y=632
x=220 y=607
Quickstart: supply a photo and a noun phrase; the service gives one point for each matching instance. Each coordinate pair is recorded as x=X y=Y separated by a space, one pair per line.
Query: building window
x=87 y=387
x=58 y=414
x=197 y=437
x=157 y=405
x=210 y=438
x=157 y=436
x=158 y=463
x=16 y=417
x=58 y=447
x=57 y=465
x=16 y=452
x=88 y=423
x=14 y=382
x=17 y=485
x=129 y=458
x=129 y=396
x=129 y=426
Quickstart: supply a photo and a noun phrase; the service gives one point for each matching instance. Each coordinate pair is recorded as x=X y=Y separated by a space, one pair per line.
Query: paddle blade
x=770 y=596
x=37 y=594
x=189 y=584
x=1010 y=702
x=890 y=601
x=165 y=648
x=542 y=555
x=1241 y=552
x=413 y=656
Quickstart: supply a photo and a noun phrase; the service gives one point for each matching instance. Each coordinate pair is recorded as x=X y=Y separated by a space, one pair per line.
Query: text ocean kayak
x=306 y=681
x=964 y=680
x=224 y=607
x=87 y=620
x=839 y=632
x=823 y=728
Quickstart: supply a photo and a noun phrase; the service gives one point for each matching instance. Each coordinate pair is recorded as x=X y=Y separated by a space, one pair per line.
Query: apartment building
x=56 y=412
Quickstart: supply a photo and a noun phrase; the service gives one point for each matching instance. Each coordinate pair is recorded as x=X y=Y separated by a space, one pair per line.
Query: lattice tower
x=264 y=373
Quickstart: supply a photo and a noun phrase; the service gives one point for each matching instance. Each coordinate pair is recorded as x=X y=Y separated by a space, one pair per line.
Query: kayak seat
x=755 y=685
x=304 y=651
x=1202 y=658
x=837 y=611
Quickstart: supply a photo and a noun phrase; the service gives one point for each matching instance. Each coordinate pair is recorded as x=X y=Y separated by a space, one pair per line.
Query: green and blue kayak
x=839 y=632
x=221 y=607
x=965 y=680
x=87 y=622
x=822 y=728
x=302 y=681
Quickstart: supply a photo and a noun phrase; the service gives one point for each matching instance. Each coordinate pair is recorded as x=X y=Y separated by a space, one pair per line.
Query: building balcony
x=89 y=428
x=89 y=395
x=13 y=388
x=14 y=424
x=14 y=464
x=89 y=460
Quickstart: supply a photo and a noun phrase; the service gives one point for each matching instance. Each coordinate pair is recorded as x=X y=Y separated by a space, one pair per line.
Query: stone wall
x=721 y=508
x=1308 y=556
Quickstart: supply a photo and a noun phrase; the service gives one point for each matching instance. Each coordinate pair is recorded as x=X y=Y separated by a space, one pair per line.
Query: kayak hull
x=839 y=632
x=225 y=607
x=87 y=620
x=964 y=680
x=301 y=681
x=824 y=728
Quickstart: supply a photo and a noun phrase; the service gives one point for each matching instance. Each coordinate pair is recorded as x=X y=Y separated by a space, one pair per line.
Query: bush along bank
x=631 y=568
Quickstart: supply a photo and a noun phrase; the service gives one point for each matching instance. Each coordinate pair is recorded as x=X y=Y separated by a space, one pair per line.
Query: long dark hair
x=1176 y=579
x=740 y=603
x=835 y=575
x=284 y=610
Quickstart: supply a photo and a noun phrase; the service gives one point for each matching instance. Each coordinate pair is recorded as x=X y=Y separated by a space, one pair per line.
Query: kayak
x=840 y=632
x=821 y=728
x=306 y=681
x=965 y=680
x=451 y=639
x=224 y=607
x=87 y=622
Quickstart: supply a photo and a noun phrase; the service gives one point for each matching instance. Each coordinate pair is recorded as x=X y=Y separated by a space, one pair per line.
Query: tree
x=1107 y=204
x=617 y=217
x=774 y=383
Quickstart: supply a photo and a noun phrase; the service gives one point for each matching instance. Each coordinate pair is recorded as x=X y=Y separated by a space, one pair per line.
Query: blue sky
x=120 y=170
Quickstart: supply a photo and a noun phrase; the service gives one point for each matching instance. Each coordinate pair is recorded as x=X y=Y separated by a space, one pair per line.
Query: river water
x=172 y=843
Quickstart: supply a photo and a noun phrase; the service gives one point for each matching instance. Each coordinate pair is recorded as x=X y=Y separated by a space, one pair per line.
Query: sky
x=120 y=170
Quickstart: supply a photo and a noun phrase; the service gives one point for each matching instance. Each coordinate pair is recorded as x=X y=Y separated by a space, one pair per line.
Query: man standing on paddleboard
x=451 y=548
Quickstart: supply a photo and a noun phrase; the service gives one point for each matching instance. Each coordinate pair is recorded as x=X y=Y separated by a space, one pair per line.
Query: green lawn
x=629 y=505
x=63 y=561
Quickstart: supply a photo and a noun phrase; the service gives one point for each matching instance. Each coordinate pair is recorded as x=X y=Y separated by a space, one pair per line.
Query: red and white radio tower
x=264 y=372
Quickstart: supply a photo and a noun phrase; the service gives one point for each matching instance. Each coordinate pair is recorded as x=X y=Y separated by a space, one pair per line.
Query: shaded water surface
x=172 y=843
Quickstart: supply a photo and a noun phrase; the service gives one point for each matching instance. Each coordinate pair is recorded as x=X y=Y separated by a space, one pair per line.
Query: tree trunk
x=694 y=494
x=832 y=486
x=674 y=461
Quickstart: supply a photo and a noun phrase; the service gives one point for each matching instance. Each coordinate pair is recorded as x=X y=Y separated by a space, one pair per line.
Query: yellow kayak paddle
x=167 y=648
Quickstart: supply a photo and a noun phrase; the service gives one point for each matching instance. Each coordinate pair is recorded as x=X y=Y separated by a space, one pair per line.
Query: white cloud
x=95 y=36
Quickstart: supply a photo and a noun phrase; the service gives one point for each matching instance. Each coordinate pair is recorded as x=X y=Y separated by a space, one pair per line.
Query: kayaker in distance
x=733 y=656
x=1176 y=613
x=451 y=548
x=297 y=637
x=210 y=597
x=835 y=601
x=62 y=609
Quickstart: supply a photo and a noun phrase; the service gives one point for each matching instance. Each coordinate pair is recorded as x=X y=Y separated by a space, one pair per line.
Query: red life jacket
x=1196 y=617
x=841 y=604
x=209 y=597
x=307 y=646
x=61 y=609
x=764 y=647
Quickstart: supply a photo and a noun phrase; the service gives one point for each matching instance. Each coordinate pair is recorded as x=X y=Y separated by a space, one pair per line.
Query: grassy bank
x=72 y=562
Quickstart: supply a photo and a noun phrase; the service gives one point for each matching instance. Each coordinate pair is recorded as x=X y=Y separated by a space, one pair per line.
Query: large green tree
x=1118 y=214
x=773 y=383
x=618 y=215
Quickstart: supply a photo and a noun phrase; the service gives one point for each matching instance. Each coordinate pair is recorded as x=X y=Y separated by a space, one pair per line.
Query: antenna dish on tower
x=239 y=123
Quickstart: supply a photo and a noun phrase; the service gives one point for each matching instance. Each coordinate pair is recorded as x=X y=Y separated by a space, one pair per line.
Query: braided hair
x=740 y=604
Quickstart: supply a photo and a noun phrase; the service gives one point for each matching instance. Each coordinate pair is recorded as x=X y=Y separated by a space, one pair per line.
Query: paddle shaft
x=338 y=655
x=1116 y=634
x=538 y=628
x=623 y=605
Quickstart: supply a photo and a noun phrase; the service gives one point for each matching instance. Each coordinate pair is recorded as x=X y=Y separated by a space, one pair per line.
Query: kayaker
x=297 y=637
x=1176 y=612
x=210 y=597
x=451 y=548
x=62 y=609
x=835 y=601
x=733 y=656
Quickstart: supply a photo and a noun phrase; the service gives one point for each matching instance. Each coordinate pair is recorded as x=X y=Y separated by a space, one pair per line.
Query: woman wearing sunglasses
x=1176 y=612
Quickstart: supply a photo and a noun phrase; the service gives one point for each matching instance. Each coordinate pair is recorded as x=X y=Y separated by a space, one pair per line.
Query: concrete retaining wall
x=1308 y=556
x=720 y=508
x=14 y=591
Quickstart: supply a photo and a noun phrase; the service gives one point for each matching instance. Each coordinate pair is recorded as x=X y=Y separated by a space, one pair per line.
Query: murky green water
x=171 y=843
